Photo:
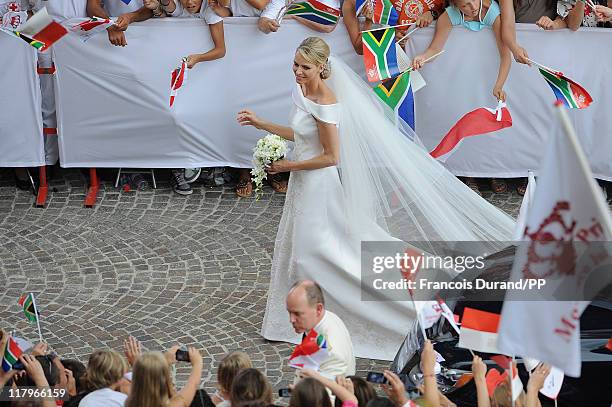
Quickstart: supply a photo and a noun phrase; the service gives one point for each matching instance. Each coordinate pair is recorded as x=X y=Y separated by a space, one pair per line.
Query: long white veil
x=389 y=179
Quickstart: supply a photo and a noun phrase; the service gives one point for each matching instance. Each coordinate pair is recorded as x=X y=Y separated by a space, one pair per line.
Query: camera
x=378 y=378
x=286 y=392
x=182 y=355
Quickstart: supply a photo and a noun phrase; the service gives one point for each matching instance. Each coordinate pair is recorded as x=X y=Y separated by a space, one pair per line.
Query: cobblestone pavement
x=165 y=268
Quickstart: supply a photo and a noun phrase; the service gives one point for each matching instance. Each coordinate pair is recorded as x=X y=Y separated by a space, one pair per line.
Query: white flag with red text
x=568 y=214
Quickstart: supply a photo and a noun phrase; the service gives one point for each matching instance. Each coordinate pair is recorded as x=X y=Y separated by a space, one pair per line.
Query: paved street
x=165 y=268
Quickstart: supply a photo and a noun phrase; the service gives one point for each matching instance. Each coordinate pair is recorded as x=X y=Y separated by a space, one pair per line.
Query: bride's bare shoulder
x=327 y=97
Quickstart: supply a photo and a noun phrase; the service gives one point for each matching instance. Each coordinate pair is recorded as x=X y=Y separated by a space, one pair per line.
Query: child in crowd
x=205 y=11
x=228 y=369
x=242 y=8
x=473 y=15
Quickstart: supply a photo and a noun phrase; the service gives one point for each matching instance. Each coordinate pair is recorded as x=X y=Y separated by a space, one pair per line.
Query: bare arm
x=479 y=370
x=352 y=25
x=342 y=393
x=141 y=14
x=187 y=393
x=258 y=4
x=509 y=31
x=443 y=29
x=575 y=16
x=504 y=62
x=218 y=37
x=95 y=9
x=248 y=118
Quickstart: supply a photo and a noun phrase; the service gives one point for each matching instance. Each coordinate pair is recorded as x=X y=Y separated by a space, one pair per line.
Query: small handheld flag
x=398 y=95
x=86 y=28
x=380 y=54
x=28 y=303
x=177 y=80
x=384 y=13
x=29 y=309
x=43 y=28
x=480 y=121
x=310 y=353
x=315 y=11
x=11 y=354
x=568 y=92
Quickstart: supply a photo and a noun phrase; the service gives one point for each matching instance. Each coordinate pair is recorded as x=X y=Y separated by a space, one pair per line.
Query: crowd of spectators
x=473 y=14
x=141 y=378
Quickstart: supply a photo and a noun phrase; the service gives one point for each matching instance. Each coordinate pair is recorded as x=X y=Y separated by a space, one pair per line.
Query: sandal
x=277 y=183
x=244 y=188
x=471 y=182
x=521 y=188
x=499 y=186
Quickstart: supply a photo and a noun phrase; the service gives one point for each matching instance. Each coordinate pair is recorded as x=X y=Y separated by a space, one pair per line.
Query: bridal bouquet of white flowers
x=268 y=149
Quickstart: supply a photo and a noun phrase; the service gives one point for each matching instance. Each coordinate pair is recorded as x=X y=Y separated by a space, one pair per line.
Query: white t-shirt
x=103 y=398
x=61 y=9
x=205 y=13
x=240 y=8
x=115 y=8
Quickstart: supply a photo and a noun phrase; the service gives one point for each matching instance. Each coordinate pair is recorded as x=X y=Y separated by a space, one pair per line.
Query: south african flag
x=12 y=351
x=379 y=54
x=35 y=43
x=384 y=13
x=315 y=11
x=397 y=94
x=568 y=92
x=29 y=308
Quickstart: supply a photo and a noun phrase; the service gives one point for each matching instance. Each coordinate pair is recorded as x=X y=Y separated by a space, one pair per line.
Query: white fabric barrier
x=113 y=103
x=113 y=107
x=462 y=79
x=21 y=139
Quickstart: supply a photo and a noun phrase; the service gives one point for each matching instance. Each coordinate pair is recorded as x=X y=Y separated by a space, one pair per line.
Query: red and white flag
x=448 y=314
x=43 y=28
x=479 y=330
x=568 y=207
x=480 y=121
x=86 y=28
x=177 y=80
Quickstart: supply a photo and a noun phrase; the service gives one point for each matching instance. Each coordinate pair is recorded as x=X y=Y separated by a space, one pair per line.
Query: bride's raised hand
x=248 y=118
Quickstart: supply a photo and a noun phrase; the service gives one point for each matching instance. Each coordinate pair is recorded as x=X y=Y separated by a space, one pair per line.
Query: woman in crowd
x=229 y=367
x=152 y=384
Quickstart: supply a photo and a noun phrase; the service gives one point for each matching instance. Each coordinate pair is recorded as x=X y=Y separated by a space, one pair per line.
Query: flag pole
x=407 y=35
x=427 y=60
x=37 y=317
x=384 y=28
x=544 y=67
x=584 y=164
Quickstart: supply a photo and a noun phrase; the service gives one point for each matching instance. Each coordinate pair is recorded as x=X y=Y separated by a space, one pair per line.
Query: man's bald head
x=306 y=305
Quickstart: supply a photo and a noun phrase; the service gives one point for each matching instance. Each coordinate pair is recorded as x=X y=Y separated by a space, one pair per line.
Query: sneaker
x=180 y=186
x=138 y=182
x=192 y=174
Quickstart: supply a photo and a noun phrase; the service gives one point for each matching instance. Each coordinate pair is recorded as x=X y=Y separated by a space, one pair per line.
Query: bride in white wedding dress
x=356 y=176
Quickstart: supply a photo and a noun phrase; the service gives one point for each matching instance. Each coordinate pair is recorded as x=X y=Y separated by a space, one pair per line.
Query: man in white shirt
x=268 y=22
x=126 y=14
x=306 y=307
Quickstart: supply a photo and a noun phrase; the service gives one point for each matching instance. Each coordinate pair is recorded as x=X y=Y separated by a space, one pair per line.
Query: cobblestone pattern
x=165 y=268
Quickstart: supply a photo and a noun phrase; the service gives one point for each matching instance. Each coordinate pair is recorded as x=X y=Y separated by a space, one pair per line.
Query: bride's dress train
x=387 y=189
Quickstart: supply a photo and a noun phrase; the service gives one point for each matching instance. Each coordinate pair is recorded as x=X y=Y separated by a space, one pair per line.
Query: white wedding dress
x=328 y=212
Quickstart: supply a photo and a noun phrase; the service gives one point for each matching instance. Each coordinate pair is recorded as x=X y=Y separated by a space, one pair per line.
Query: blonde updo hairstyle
x=316 y=51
